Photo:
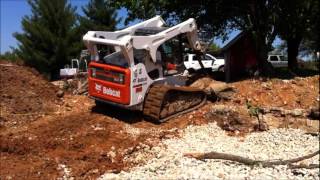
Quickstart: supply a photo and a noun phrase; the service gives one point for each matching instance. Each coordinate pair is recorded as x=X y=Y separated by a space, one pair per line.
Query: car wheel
x=221 y=69
x=191 y=71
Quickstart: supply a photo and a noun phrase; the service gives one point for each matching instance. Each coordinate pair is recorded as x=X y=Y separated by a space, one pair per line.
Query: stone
x=314 y=114
x=60 y=94
x=297 y=112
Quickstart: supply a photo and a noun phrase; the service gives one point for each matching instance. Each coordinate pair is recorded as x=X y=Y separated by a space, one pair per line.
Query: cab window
x=186 y=58
x=282 y=58
x=273 y=58
x=208 y=57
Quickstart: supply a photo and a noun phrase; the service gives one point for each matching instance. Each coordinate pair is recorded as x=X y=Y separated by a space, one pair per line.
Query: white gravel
x=167 y=160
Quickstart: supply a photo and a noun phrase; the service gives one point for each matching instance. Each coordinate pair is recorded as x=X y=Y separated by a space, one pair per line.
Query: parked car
x=209 y=62
x=278 y=61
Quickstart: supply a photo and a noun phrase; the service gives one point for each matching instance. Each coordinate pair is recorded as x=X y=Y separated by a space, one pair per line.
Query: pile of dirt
x=24 y=94
x=89 y=144
x=286 y=103
x=289 y=94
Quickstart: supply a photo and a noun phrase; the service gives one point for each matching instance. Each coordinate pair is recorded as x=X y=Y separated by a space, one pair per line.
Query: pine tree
x=48 y=40
x=99 y=15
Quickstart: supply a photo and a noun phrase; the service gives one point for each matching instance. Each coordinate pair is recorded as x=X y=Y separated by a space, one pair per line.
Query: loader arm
x=156 y=21
x=121 y=38
x=152 y=42
x=125 y=39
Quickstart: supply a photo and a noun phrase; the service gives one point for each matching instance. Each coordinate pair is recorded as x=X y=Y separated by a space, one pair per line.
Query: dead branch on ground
x=251 y=162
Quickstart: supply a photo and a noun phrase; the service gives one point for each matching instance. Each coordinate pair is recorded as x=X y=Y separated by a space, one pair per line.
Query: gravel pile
x=167 y=160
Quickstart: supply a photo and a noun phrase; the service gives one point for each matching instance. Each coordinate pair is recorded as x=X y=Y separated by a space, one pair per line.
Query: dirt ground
x=288 y=94
x=24 y=95
x=43 y=136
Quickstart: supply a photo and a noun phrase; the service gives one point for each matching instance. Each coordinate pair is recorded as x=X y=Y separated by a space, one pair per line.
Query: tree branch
x=310 y=166
x=250 y=162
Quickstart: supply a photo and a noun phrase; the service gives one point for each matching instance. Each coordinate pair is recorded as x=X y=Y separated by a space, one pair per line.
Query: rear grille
x=102 y=77
x=108 y=75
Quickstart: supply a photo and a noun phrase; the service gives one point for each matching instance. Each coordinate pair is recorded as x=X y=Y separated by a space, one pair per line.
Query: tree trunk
x=293 y=49
x=264 y=67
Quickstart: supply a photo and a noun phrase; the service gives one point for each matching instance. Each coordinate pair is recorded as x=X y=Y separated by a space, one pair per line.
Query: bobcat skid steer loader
x=141 y=68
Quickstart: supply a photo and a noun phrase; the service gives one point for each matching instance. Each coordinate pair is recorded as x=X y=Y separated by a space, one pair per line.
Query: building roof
x=233 y=41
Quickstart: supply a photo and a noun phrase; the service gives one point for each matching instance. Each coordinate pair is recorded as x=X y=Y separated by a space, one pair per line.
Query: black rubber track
x=155 y=99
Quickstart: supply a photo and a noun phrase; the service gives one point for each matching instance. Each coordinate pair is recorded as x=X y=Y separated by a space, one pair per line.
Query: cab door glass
x=186 y=58
x=282 y=58
x=273 y=58
x=208 y=57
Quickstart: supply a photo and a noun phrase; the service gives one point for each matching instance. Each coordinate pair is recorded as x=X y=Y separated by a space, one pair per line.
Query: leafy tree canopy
x=10 y=55
x=99 y=15
x=216 y=16
x=214 y=48
x=264 y=19
x=298 y=22
x=48 y=40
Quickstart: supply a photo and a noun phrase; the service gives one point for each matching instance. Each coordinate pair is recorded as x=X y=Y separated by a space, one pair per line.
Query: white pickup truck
x=209 y=62
x=278 y=61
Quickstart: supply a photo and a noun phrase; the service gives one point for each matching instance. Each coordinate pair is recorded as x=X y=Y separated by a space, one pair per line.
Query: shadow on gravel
x=125 y=115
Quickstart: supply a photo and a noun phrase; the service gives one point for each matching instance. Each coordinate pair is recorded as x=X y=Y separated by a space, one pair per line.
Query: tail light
x=93 y=72
x=117 y=77
x=120 y=78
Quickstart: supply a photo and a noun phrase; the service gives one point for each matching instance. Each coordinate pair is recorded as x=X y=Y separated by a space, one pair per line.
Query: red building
x=240 y=56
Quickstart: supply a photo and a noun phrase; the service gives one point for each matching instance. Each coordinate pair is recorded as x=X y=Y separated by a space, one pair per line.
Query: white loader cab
x=68 y=71
x=209 y=62
x=78 y=66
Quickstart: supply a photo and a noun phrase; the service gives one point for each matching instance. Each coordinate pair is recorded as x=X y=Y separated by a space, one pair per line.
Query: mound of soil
x=24 y=94
x=289 y=94
x=88 y=143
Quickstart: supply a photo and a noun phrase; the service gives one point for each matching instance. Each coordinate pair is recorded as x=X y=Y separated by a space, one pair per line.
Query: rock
x=297 y=112
x=238 y=101
x=7 y=96
x=221 y=109
x=266 y=86
x=286 y=81
x=314 y=113
x=218 y=87
x=68 y=105
x=261 y=127
x=58 y=83
x=285 y=112
x=213 y=88
x=201 y=83
x=60 y=94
